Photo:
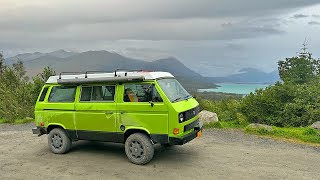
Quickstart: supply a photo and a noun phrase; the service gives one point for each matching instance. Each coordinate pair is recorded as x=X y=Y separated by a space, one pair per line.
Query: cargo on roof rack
x=102 y=76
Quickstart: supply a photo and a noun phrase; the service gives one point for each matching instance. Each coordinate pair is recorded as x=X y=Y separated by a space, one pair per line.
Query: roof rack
x=69 y=73
x=103 y=76
x=126 y=71
x=101 y=79
x=95 y=72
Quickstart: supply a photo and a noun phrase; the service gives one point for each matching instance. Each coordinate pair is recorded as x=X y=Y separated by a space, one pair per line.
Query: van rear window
x=43 y=94
x=62 y=94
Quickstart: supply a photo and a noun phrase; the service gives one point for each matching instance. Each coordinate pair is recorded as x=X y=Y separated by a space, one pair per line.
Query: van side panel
x=51 y=113
x=96 y=120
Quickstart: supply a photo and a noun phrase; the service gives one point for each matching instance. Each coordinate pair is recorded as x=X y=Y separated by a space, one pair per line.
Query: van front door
x=143 y=108
x=96 y=113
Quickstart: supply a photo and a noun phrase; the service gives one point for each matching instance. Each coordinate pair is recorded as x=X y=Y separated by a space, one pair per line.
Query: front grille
x=191 y=113
x=191 y=125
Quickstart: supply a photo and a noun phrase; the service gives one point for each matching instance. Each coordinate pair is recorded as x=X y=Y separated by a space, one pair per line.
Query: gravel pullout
x=219 y=154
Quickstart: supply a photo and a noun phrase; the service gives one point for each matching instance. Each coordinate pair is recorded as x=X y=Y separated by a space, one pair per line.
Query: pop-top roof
x=117 y=76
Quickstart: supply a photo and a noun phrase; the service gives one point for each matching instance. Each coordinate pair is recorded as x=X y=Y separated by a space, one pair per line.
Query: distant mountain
x=248 y=75
x=62 y=61
x=31 y=56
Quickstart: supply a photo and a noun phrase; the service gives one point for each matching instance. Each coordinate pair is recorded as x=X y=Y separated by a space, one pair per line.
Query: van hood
x=185 y=105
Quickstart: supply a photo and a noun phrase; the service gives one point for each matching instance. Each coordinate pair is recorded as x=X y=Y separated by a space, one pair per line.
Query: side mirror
x=151 y=103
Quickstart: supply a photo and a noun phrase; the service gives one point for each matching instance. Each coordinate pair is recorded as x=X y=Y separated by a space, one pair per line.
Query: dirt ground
x=219 y=154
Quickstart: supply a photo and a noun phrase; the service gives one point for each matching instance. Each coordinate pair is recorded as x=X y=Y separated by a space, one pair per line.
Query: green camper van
x=137 y=108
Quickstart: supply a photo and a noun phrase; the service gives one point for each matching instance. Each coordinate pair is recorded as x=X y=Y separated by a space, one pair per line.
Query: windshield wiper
x=177 y=99
x=184 y=98
x=187 y=97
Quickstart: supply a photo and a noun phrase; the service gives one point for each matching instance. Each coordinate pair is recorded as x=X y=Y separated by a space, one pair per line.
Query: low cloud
x=299 y=16
x=228 y=24
x=314 y=23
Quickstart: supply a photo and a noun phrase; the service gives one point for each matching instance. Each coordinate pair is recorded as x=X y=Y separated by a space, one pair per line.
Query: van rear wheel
x=59 y=142
x=139 y=148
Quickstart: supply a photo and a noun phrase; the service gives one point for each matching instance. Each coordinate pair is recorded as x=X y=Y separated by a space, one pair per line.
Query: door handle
x=109 y=112
x=122 y=112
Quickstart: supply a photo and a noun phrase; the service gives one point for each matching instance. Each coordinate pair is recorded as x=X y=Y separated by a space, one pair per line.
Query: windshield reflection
x=173 y=89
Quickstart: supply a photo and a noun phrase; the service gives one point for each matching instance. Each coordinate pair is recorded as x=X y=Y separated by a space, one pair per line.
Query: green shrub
x=212 y=125
x=226 y=109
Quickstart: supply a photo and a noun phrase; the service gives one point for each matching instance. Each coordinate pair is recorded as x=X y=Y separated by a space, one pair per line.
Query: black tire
x=58 y=141
x=139 y=148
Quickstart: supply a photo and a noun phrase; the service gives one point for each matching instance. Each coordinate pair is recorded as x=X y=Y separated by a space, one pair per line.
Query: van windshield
x=173 y=89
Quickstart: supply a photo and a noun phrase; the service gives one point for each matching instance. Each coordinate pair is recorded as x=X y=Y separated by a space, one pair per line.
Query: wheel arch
x=133 y=130
x=54 y=125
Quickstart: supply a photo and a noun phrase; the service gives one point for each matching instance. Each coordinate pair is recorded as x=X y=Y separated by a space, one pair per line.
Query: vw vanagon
x=137 y=108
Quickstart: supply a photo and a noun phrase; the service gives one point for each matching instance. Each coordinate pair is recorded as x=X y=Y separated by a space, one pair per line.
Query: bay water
x=235 y=88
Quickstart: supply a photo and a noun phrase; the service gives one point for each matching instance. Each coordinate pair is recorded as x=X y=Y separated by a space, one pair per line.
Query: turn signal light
x=41 y=124
x=175 y=131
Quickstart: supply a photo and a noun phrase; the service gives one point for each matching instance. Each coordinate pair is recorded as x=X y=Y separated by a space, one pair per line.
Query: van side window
x=62 y=94
x=141 y=93
x=43 y=94
x=98 y=93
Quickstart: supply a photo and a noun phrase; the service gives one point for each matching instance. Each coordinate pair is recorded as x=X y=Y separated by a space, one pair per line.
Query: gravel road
x=219 y=154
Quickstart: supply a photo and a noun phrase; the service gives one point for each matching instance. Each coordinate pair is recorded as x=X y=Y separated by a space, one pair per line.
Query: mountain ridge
x=248 y=75
x=110 y=61
x=102 y=60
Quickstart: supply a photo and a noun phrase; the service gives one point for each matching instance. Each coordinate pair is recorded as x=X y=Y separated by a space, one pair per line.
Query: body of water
x=235 y=88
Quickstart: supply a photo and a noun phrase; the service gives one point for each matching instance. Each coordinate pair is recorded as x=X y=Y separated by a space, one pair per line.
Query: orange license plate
x=199 y=134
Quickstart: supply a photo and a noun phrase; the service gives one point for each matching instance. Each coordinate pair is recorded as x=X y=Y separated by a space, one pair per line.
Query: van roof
x=117 y=76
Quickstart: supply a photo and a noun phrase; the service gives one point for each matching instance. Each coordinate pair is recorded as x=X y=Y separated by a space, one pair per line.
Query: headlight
x=181 y=117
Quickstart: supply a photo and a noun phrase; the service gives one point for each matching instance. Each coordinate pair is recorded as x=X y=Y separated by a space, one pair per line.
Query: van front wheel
x=59 y=142
x=139 y=148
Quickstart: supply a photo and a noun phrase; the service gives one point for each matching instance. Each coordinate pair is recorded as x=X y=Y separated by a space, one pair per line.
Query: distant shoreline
x=269 y=83
x=236 y=88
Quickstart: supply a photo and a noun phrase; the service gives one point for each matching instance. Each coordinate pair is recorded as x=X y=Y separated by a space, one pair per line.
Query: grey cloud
x=228 y=24
x=151 y=29
x=314 y=23
x=234 y=46
x=299 y=16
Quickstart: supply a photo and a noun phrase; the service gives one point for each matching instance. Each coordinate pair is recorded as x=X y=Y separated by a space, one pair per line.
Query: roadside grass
x=293 y=134
x=17 y=121
x=304 y=134
x=226 y=125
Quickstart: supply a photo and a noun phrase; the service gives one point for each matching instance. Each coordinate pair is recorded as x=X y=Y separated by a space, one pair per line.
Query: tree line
x=18 y=93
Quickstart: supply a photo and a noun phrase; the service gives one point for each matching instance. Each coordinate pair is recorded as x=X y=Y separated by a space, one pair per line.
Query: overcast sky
x=212 y=37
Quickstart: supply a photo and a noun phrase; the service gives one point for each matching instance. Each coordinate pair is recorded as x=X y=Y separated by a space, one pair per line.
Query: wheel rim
x=56 y=141
x=136 y=149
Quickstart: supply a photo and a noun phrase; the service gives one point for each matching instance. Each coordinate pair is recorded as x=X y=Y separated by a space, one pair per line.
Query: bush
x=266 y=106
x=284 y=105
x=226 y=109
x=213 y=125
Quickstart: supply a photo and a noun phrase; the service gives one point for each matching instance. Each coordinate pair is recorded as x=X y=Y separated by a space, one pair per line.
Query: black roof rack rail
x=66 y=73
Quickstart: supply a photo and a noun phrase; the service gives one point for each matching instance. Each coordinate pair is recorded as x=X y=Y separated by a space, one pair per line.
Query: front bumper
x=186 y=138
x=39 y=130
